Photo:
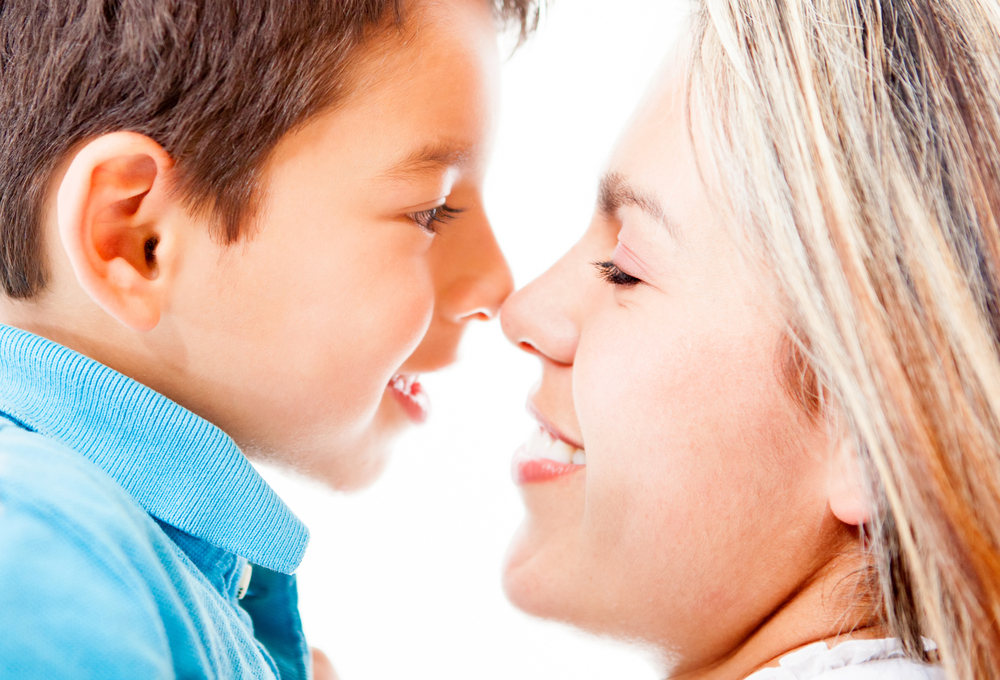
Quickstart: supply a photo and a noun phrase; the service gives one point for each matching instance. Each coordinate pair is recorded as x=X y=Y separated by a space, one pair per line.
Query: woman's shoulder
x=854 y=660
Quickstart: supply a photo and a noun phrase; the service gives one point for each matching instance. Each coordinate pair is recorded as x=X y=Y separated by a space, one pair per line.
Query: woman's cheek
x=654 y=416
x=619 y=404
x=623 y=385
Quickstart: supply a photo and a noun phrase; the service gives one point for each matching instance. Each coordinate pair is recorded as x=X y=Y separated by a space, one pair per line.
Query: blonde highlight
x=859 y=144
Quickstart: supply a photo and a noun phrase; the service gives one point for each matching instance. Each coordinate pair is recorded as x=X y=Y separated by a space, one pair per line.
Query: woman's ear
x=846 y=489
x=111 y=210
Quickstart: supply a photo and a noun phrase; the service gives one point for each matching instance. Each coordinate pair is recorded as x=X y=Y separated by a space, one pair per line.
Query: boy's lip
x=410 y=394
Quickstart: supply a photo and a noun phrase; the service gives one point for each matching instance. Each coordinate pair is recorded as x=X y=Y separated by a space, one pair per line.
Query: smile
x=544 y=457
x=411 y=396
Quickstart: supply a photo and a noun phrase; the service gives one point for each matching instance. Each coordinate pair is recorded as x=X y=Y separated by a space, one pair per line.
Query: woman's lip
x=527 y=470
x=552 y=429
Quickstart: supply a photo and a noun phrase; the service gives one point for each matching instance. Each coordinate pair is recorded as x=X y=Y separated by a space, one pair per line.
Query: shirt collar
x=182 y=469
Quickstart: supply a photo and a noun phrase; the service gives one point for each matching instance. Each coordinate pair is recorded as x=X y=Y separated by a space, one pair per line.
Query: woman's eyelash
x=610 y=272
x=429 y=220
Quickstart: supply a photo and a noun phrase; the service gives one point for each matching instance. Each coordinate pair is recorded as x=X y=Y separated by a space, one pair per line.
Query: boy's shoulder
x=89 y=583
x=40 y=476
x=43 y=483
x=77 y=598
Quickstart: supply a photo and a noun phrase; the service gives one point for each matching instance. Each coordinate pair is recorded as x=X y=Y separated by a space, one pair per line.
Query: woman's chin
x=542 y=568
x=535 y=580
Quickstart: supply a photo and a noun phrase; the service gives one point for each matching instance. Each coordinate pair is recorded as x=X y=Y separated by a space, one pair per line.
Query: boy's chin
x=343 y=462
x=361 y=472
x=342 y=466
x=353 y=468
x=358 y=465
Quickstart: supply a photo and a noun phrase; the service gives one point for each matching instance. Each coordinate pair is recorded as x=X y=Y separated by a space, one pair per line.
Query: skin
x=288 y=339
x=714 y=521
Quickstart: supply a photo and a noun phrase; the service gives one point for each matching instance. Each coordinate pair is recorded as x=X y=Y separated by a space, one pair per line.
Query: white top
x=852 y=660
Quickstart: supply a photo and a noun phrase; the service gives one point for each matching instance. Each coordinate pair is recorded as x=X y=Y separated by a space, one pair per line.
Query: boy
x=226 y=227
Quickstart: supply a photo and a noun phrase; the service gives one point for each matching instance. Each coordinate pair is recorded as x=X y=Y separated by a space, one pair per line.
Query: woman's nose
x=539 y=318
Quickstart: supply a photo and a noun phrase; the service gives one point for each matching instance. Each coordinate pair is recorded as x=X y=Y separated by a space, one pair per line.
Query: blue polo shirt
x=128 y=529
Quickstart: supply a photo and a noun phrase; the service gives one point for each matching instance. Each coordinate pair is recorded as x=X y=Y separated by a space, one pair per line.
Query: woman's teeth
x=541 y=444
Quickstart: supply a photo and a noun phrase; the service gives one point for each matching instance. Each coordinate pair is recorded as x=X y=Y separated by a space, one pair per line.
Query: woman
x=770 y=405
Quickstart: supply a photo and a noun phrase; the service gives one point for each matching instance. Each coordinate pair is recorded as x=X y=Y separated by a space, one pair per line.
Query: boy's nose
x=483 y=279
x=489 y=292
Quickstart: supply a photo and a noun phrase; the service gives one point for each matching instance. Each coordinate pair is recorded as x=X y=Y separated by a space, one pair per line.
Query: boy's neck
x=86 y=329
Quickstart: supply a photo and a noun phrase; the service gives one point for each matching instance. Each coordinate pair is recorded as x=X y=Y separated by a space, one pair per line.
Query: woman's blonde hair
x=859 y=140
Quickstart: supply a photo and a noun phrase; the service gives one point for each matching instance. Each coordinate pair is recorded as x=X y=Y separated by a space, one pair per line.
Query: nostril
x=477 y=315
x=528 y=347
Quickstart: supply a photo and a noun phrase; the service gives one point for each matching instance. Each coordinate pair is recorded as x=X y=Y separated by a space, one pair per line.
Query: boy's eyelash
x=610 y=272
x=429 y=220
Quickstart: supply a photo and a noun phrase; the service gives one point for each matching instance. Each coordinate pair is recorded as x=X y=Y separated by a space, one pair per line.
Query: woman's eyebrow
x=615 y=192
x=429 y=158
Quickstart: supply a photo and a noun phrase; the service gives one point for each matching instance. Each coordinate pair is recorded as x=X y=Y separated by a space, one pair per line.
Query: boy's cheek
x=357 y=348
x=393 y=316
x=311 y=348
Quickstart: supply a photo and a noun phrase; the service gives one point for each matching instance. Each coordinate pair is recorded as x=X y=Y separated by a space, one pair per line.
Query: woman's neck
x=833 y=606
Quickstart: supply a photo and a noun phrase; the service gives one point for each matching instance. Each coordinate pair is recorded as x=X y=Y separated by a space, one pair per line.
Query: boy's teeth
x=423 y=400
x=404 y=383
x=541 y=444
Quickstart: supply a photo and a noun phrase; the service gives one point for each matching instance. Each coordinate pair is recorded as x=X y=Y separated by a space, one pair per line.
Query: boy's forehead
x=424 y=104
x=430 y=157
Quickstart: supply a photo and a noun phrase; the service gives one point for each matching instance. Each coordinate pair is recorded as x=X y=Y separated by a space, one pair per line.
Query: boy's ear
x=111 y=207
x=846 y=488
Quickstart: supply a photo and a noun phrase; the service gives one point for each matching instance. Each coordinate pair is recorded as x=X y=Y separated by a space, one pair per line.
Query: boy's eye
x=429 y=220
x=610 y=272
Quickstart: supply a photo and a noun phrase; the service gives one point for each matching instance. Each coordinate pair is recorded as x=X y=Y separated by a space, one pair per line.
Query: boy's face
x=295 y=340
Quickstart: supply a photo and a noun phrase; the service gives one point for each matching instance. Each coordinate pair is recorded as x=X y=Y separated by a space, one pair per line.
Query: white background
x=403 y=580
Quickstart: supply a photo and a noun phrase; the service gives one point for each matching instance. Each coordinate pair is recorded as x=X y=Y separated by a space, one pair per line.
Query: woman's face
x=701 y=506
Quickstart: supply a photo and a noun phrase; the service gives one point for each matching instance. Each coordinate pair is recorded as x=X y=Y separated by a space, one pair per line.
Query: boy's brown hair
x=217 y=83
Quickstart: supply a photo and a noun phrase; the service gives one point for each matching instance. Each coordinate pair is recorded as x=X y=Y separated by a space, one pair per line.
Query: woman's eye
x=431 y=219
x=610 y=272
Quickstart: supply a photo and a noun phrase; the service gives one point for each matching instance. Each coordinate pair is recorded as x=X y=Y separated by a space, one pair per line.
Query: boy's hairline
x=231 y=202
x=396 y=25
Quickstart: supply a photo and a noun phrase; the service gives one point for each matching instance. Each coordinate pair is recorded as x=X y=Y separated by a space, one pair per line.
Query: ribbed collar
x=182 y=469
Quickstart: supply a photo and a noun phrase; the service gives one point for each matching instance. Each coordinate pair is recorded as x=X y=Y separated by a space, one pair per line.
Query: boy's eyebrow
x=615 y=192
x=431 y=157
